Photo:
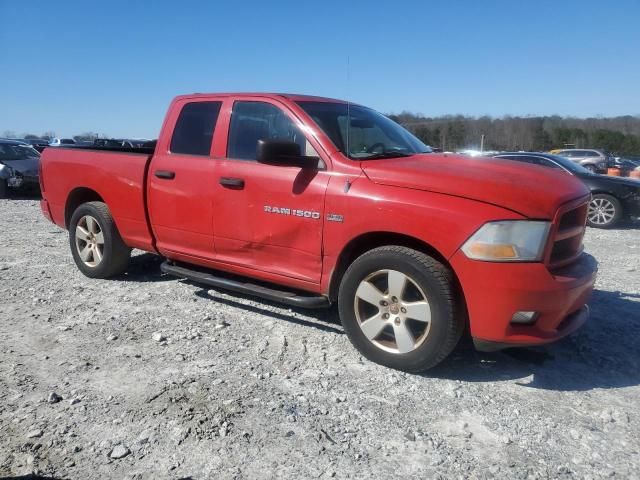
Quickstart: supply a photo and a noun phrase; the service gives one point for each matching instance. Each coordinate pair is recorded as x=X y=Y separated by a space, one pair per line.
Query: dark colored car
x=37 y=143
x=613 y=198
x=19 y=165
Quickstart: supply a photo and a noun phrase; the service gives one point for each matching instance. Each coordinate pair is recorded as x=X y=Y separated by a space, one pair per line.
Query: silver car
x=594 y=160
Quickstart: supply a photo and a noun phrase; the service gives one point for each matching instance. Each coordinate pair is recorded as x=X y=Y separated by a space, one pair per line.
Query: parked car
x=626 y=164
x=38 y=144
x=19 y=165
x=273 y=187
x=119 y=142
x=56 y=142
x=596 y=161
x=612 y=198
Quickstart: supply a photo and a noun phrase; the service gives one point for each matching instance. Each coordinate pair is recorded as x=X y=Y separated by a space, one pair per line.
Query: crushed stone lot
x=147 y=376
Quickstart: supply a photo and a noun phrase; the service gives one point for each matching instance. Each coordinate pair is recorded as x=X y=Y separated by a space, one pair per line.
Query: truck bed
x=115 y=175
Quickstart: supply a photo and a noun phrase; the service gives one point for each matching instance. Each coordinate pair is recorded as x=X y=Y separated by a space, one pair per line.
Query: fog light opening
x=524 y=318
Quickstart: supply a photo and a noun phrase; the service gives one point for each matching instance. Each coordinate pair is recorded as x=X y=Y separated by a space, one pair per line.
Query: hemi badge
x=334 y=217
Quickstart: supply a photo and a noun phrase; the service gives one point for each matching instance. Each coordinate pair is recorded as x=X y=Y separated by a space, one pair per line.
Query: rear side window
x=194 y=129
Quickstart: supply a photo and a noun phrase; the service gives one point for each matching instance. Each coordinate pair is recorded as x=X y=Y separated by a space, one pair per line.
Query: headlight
x=508 y=241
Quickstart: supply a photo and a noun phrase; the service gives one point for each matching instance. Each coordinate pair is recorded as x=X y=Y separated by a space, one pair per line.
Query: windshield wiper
x=392 y=154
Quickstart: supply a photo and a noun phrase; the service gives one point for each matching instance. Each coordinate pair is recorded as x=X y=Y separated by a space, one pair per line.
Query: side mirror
x=283 y=153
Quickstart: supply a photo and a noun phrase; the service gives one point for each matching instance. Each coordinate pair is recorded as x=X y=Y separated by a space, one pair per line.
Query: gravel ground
x=147 y=376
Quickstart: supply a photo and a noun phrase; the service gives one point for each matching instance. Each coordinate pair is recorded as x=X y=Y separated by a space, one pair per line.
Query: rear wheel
x=604 y=211
x=96 y=245
x=398 y=308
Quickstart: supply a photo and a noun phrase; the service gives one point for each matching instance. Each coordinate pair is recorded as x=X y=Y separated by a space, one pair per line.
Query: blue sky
x=112 y=67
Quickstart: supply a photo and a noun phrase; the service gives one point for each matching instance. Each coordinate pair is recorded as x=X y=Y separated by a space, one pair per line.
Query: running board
x=280 y=296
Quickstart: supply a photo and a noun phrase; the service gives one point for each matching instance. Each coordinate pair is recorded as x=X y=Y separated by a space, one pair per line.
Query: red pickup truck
x=311 y=201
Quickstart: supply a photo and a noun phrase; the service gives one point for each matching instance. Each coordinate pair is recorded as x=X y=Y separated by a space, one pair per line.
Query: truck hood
x=530 y=190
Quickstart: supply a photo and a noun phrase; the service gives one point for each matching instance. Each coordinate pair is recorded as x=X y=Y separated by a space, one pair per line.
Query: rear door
x=181 y=178
x=268 y=217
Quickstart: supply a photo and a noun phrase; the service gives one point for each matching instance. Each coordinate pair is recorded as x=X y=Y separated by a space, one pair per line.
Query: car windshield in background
x=17 y=152
x=573 y=167
x=370 y=134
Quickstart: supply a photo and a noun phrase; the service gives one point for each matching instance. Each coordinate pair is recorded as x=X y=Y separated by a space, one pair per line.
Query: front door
x=268 y=217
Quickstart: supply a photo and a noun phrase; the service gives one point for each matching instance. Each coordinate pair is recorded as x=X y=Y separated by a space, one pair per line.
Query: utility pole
x=482 y=143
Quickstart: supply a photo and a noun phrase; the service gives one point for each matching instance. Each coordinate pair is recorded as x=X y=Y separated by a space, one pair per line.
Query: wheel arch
x=368 y=241
x=77 y=197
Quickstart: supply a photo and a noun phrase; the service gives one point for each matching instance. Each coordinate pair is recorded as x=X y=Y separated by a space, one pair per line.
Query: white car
x=57 y=142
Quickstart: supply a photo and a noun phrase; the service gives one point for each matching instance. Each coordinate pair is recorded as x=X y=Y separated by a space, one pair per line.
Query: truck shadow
x=145 y=267
x=30 y=476
x=324 y=320
x=605 y=353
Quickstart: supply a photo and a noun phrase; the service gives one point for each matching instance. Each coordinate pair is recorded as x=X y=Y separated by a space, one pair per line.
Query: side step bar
x=280 y=296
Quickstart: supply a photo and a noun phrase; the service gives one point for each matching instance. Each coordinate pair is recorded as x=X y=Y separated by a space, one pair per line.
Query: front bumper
x=23 y=182
x=495 y=291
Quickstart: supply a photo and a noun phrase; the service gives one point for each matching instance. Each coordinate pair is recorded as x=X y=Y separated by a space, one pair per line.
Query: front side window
x=253 y=121
x=193 y=132
x=362 y=133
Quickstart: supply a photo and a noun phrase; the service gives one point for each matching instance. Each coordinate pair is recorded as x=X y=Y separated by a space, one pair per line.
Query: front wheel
x=4 y=189
x=604 y=211
x=398 y=308
x=96 y=245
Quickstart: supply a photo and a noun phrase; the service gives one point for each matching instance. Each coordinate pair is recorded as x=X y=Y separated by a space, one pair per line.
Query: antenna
x=348 y=113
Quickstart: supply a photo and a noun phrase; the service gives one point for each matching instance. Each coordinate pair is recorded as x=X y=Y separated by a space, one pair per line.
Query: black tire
x=4 y=189
x=431 y=279
x=115 y=254
x=611 y=211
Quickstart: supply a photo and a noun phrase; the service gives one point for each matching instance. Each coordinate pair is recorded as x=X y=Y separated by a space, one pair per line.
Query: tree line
x=619 y=135
x=82 y=137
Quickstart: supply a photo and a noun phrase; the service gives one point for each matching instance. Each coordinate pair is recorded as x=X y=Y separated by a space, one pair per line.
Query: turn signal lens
x=508 y=241
x=487 y=250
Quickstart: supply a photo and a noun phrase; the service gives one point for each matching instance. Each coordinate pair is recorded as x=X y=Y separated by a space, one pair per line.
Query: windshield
x=367 y=135
x=573 y=167
x=17 y=152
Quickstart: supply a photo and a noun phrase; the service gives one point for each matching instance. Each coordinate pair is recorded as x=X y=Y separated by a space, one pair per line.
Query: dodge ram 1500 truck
x=312 y=201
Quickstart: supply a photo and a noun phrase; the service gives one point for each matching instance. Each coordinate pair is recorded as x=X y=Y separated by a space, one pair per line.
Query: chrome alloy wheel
x=392 y=311
x=601 y=211
x=89 y=241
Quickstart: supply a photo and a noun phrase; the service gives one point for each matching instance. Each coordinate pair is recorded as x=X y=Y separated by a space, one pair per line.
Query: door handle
x=232 y=182
x=167 y=175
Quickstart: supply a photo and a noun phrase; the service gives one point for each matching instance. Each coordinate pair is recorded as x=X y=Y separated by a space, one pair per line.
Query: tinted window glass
x=16 y=152
x=362 y=133
x=545 y=163
x=194 y=129
x=253 y=121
